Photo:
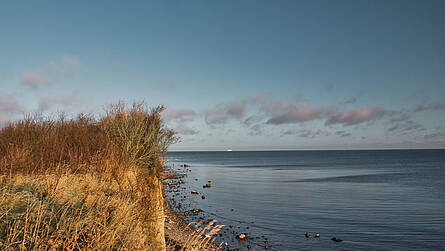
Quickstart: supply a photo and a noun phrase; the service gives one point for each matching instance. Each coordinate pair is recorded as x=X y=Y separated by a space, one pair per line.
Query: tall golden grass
x=84 y=183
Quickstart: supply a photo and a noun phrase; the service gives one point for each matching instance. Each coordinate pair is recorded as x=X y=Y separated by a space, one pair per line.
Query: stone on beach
x=194 y=192
x=241 y=236
x=208 y=185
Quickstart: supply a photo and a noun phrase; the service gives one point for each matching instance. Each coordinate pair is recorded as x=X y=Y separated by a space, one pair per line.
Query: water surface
x=373 y=200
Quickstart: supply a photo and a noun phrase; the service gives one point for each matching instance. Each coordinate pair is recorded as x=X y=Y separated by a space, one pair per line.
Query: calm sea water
x=373 y=200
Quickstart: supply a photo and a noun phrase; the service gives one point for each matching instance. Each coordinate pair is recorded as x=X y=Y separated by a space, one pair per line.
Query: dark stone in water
x=307 y=235
x=203 y=197
x=317 y=235
x=336 y=239
x=196 y=210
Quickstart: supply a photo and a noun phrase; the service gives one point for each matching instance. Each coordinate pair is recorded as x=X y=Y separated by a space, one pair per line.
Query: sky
x=244 y=75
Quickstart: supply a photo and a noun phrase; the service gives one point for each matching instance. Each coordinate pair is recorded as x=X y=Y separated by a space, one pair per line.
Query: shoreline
x=178 y=234
x=179 y=211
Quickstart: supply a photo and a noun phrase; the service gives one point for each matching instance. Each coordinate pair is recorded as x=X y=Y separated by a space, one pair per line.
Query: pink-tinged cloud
x=181 y=115
x=294 y=114
x=352 y=117
x=10 y=104
x=36 y=80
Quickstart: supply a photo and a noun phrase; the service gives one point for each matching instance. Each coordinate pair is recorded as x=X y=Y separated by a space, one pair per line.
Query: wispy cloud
x=305 y=133
x=351 y=100
x=256 y=130
x=181 y=115
x=406 y=126
x=36 y=80
x=45 y=76
x=353 y=117
x=9 y=104
x=252 y=119
x=222 y=113
x=185 y=130
x=294 y=114
x=424 y=107
x=65 y=65
x=64 y=101
x=343 y=133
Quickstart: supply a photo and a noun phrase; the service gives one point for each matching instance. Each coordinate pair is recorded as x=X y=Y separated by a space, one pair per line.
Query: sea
x=370 y=199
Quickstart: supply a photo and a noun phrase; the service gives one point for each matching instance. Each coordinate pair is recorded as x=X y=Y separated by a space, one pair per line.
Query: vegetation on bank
x=84 y=183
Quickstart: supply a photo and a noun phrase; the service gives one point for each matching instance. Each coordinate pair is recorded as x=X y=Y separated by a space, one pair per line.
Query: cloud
x=436 y=136
x=294 y=114
x=181 y=115
x=400 y=118
x=36 y=80
x=351 y=100
x=184 y=130
x=305 y=133
x=10 y=104
x=256 y=130
x=46 y=103
x=424 y=107
x=252 y=120
x=222 y=113
x=63 y=66
x=353 y=117
x=405 y=126
x=343 y=133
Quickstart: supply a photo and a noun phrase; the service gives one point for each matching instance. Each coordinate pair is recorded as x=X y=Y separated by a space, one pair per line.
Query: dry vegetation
x=84 y=183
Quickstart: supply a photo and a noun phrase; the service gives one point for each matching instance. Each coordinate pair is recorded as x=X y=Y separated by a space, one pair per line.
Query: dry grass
x=203 y=236
x=82 y=183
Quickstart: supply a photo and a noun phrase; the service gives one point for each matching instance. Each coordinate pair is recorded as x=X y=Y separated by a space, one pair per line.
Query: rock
x=209 y=181
x=241 y=236
x=248 y=247
x=317 y=235
x=208 y=185
x=194 y=192
x=196 y=210
x=336 y=239
x=203 y=197
x=307 y=235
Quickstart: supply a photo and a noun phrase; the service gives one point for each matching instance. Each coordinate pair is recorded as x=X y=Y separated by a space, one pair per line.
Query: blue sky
x=237 y=74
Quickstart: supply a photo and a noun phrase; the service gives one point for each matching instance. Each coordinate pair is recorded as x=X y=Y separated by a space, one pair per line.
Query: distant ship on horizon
x=229 y=150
